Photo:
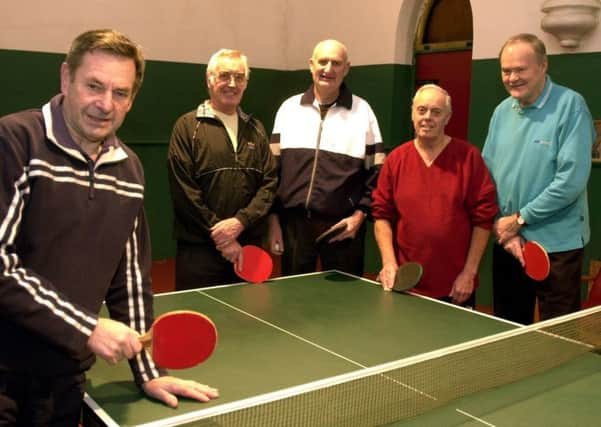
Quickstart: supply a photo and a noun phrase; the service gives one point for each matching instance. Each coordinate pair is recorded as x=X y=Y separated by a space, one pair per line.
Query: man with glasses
x=222 y=177
x=538 y=150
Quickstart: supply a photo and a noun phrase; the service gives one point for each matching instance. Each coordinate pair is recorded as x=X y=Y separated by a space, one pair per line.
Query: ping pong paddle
x=407 y=276
x=331 y=232
x=537 y=265
x=256 y=264
x=180 y=339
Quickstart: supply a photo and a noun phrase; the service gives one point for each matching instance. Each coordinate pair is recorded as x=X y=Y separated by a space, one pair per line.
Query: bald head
x=330 y=45
x=329 y=66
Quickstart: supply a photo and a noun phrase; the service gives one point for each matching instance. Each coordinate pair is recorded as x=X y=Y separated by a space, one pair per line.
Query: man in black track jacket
x=72 y=234
x=222 y=178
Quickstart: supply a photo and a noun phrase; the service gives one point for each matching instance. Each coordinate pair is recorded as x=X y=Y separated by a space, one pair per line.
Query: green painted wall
x=29 y=79
x=388 y=89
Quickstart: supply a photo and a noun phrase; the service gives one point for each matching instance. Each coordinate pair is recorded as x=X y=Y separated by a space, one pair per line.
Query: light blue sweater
x=540 y=159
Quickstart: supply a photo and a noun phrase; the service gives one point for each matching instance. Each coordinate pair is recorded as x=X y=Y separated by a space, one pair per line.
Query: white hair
x=447 y=97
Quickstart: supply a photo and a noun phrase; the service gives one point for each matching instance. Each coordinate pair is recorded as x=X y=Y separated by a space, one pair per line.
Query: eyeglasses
x=226 y=77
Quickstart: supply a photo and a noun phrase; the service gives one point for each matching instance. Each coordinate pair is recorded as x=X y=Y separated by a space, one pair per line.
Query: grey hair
x=227 y=53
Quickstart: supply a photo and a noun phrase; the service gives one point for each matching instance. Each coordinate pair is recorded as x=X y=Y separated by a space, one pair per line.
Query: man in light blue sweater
x=538 y=150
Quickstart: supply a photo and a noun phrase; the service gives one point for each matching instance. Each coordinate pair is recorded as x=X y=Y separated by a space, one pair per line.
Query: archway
x=443 y=55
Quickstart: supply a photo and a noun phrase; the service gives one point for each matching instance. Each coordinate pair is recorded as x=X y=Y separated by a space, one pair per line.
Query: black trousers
x=201 y=265
x=515 y=293
x=300 y=229
x=33 y=401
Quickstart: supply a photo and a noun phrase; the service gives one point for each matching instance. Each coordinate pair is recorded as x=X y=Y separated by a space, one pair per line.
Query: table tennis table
x=296 y=333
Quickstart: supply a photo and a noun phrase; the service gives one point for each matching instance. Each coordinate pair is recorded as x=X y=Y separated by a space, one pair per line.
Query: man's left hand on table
x=167 y=388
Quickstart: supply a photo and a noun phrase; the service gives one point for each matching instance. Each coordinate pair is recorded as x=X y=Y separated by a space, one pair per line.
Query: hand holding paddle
x=113 y=340
x=331 y=232
x=180 y=339
x=537 y=261
x=531 y=255
x=407 y=276
x=255 y=266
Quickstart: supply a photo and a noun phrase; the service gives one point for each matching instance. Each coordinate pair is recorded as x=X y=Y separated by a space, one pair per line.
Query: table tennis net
x=408 y=387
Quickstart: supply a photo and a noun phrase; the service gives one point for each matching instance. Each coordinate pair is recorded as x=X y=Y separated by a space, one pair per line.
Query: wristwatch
x=520 y=219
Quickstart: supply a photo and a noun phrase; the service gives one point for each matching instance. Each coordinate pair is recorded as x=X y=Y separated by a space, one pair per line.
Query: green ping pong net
x=408 y=387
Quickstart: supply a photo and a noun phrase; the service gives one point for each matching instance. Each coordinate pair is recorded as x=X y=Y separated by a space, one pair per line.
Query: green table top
x=288 y=333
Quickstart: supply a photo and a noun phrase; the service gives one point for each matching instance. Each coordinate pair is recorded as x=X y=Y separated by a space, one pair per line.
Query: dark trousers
x=469 y=303
x=32 y=401
x=201 y=265
x=515 y=293
x=300 y=229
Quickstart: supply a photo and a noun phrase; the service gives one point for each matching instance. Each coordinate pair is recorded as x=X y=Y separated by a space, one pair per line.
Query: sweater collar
x=540 y=102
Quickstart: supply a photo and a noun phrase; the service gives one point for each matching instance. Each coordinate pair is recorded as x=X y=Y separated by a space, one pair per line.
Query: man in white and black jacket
x=329 y=151
x=72 y=234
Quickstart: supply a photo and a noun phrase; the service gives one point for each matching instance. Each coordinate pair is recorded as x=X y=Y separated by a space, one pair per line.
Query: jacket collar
x=205 y=110
x=344 y=99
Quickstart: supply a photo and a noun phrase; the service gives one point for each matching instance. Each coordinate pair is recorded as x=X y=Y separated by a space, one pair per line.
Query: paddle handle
x=146 y=339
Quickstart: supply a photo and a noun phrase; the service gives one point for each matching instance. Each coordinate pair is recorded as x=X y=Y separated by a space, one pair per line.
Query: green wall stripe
x=29 y=79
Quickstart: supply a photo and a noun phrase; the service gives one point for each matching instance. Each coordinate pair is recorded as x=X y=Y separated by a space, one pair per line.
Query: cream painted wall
x=495 y=21
x=174 y=30
x=367 y=28
x=276 y=34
